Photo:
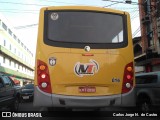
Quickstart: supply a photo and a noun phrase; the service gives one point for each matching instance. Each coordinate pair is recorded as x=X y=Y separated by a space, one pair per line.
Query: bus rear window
x=85 y=27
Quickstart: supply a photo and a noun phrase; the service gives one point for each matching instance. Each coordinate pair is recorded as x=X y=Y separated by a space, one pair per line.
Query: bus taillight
x=43 y=77
x=128 y=78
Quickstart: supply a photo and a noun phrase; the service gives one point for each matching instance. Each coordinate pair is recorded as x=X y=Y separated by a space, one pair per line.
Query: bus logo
x=54 y=16
x=83 y=69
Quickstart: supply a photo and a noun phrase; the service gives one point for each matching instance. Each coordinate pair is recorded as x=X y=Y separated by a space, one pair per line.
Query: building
x=147 y=47
x=16 y=60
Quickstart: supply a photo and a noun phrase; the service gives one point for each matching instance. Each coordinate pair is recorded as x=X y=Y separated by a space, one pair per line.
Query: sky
x=24 y=15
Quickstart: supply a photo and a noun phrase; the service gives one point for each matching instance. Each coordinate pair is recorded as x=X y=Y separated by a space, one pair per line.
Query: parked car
x=148 y=90
x=27 y=92
x=9 y=94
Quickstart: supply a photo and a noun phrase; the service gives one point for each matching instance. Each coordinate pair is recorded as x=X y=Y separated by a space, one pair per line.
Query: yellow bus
x=84 y=58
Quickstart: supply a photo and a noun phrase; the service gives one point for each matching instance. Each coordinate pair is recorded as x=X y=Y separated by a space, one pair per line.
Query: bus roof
x=84 y=8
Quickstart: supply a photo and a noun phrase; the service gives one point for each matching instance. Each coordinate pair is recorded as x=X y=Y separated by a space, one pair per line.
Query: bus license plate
x=87 y=89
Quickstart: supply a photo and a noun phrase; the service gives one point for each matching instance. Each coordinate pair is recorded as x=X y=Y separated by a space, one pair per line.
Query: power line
x=22 y=3
x=122 y=2
x=18 y=12
x=110 y=5
x=134 y=8
x=135 y=14
x=39 y=4
x=125 y=8
x=134 y=17
x=25 y=26
x=115 y=2
x=53 y=1
x=134 y=11
x=137 y=31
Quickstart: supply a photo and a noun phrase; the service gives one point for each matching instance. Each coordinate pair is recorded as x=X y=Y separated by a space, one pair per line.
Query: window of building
x=4 y=42
x=19 y=67
x=9 y=62
x=14 y=36
x=23 y=68
x=4 y=59
x=21 y=44
x=10 y=32
x=4 y=26
x=14 y=64
x=10 y=47
x=15 y=50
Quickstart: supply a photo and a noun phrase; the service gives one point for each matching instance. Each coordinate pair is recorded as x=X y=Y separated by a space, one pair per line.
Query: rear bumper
x=52 y=100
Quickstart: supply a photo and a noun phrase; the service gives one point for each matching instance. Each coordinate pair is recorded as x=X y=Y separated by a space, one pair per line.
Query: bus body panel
x=66 y=81
x=54 y=100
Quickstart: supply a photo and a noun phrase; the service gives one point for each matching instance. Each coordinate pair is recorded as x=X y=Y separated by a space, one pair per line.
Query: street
x=26 y=106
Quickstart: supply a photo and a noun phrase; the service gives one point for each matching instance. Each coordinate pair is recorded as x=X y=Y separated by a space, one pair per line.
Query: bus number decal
x=82 y=69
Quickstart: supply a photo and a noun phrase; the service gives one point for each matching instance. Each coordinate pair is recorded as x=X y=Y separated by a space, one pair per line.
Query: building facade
x=147 y=47
x=16 y=60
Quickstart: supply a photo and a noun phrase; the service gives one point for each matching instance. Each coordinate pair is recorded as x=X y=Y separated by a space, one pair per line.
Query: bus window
x=85 y=27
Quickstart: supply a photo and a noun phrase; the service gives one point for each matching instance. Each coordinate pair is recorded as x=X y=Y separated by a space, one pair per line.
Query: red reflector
x=87 y=54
